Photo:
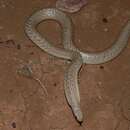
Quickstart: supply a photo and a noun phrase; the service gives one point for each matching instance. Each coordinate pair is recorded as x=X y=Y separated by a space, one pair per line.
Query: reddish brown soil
x=104 y=89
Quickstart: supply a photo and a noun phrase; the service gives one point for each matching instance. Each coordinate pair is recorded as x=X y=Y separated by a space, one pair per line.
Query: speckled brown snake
x=70 y=52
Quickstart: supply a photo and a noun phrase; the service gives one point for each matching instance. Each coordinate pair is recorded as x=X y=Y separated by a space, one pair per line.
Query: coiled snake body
x=70 y=52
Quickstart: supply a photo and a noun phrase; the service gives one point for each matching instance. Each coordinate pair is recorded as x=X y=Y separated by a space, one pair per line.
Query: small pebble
x=18 y=46
x=101 y=67
x=105 y=20
x=13 y=125
x=1 y=27
x=55 y=84
x=105 y=29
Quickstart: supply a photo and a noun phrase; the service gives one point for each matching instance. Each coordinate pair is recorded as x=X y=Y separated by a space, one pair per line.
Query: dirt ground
x=104 y=89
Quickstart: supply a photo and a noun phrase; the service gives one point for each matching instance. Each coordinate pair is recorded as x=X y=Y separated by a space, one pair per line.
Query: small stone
x=101 y=67
x=18 y=46
x=55 y=84
x=1 y=27
x=105 y=29
x=105 y=20
x=13 y=125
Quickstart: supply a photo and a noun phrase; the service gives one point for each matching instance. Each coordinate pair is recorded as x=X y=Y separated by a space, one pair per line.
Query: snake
x=71 y=52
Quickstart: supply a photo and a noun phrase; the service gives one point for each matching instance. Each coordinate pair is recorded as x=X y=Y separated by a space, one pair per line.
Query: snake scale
x=70 y=52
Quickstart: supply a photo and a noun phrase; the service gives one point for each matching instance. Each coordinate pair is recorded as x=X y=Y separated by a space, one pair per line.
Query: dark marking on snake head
x=80 y=123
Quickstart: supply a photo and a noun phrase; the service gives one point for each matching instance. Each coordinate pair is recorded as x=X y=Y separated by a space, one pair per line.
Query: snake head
x=78 y=114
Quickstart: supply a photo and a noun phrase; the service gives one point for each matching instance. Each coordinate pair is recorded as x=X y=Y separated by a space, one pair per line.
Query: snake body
x=70 y=52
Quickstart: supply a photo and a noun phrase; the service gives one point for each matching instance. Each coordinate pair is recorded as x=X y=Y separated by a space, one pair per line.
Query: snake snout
x=79 y=115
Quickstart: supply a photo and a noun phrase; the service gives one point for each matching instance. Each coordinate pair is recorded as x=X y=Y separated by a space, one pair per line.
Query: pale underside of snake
x=70 y=52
